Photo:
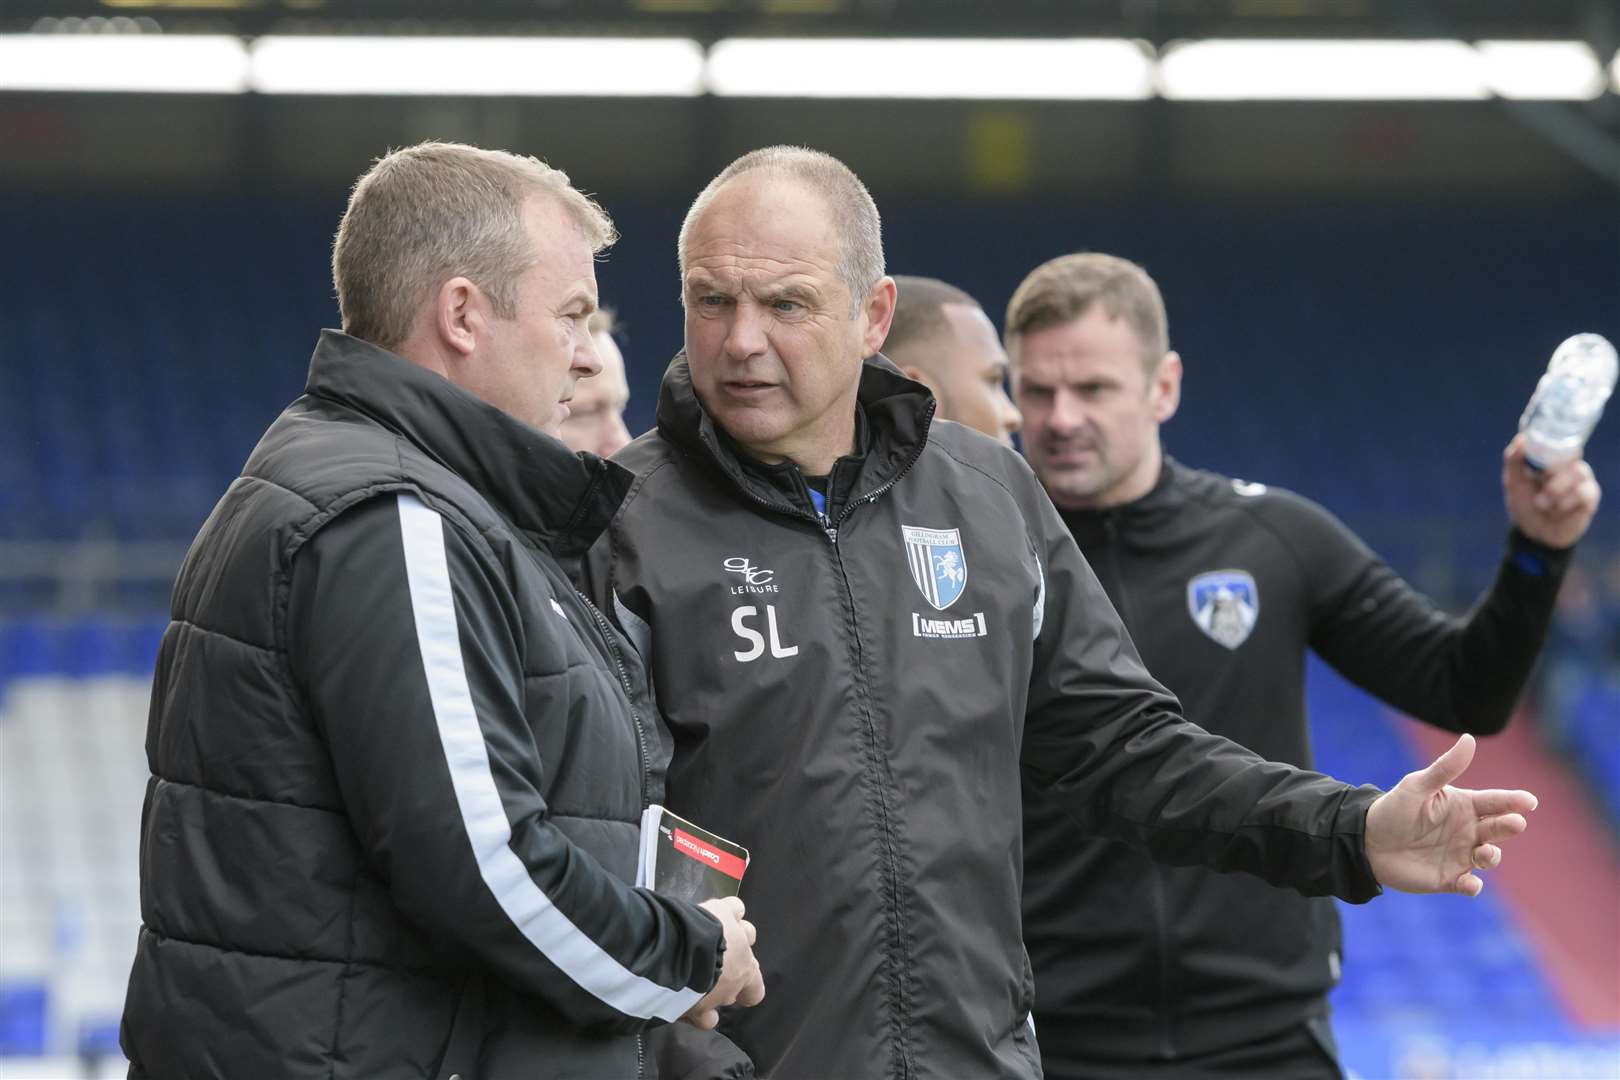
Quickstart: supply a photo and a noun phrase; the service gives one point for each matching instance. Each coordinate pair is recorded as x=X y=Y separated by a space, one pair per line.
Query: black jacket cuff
x=1535 y=558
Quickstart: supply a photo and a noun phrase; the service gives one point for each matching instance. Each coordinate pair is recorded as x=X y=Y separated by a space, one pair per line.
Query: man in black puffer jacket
x=398 y=761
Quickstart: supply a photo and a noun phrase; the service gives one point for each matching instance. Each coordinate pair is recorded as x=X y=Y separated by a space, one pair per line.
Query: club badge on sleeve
x=1225 y=604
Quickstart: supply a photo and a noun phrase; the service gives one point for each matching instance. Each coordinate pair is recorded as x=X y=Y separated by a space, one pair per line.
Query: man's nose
x=1068 y=412
x=746 y=336
x=586 y=362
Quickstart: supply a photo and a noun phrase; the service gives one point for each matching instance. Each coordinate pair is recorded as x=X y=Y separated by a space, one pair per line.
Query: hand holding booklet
x=682 y=860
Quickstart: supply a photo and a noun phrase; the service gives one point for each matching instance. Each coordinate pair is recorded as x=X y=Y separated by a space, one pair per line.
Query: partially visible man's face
x=596 y=415
x=1091 y=412
x=967 y=371
x=527 y=366
x=775 y=356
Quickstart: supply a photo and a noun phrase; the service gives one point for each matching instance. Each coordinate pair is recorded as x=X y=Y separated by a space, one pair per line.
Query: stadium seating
x=1401 y=952
x=148 y=347
x=1593 y=732
x=73 y=698
x=150 y=373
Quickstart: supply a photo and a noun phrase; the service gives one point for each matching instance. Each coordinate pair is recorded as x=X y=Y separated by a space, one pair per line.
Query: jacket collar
x=1165 y=499
x=892 y=425
x=561 y=499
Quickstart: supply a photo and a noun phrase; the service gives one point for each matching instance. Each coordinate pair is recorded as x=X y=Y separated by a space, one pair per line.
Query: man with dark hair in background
x=863 y=628
x=941 y=337
x=1149 y=970
x=595 y=420
x=398 y=762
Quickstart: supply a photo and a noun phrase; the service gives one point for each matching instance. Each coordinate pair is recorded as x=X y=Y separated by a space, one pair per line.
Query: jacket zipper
x=892 y=868
x=1161 y=933
x=896 y=936
x=871 y=726
x=606 y=631
x=830 y=529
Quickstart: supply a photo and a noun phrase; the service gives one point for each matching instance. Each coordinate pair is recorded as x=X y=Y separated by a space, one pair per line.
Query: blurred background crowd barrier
x=1364 y=281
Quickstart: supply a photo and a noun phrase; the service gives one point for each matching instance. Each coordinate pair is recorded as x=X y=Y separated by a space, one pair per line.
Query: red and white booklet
x=680 y=859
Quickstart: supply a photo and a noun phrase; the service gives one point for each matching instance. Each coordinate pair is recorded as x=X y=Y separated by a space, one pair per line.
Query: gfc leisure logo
x=755 y=579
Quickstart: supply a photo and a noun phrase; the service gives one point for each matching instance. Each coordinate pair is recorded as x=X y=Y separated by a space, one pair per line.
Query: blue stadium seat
x=22 y=1018
x=1400 y=956
x=98 y=1037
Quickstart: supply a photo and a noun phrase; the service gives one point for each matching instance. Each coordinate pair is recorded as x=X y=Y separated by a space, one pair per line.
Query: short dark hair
x=1063 y=289
x=918 y=310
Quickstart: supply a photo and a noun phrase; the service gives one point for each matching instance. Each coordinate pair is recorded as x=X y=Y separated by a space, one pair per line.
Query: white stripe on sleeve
x=1040 y=599
x=488 y=830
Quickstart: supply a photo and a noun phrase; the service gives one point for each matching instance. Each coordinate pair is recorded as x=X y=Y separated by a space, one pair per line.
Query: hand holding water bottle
x=1551 y=493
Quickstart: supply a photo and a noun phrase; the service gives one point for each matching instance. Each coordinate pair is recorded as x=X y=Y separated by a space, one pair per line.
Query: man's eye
x=711 y=300
x=786 y=307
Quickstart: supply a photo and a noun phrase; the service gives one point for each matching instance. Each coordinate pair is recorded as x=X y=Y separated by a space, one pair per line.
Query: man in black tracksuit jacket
x=398 y=762
x=1143 y=969
x=863 y=628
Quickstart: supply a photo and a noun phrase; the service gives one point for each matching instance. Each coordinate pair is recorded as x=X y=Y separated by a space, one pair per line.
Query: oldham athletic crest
x=938 y=565
x=1225 y=604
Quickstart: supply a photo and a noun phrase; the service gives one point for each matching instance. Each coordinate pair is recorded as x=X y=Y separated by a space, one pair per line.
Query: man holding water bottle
x=1143 y=969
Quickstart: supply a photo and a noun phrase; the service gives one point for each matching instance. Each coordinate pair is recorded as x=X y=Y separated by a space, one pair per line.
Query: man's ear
x=878 y=312
x=460 y=315
x=1167 y=387
x=911 y=371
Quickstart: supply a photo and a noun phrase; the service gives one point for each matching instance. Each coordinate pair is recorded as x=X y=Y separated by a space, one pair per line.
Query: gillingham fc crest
x=1225 y=604
x=938 y=565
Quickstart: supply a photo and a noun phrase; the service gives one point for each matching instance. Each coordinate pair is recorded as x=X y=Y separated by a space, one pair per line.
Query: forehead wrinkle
x=772 y=278
x=744 y=257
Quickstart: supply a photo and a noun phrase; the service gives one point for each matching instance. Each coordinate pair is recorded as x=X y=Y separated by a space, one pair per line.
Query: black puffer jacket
x=397 y=768
x=855 y=697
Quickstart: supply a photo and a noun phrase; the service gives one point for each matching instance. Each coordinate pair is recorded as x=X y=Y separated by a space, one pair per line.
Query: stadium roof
x=1154 y=20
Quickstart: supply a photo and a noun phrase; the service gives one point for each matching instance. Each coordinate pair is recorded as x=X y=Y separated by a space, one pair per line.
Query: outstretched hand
x=1425 y=836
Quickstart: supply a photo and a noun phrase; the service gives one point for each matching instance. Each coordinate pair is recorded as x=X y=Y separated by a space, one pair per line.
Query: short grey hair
x=437 y=210
x=854 y=214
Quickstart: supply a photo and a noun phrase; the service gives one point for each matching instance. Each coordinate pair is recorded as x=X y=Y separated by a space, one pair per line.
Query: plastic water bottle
x=1568 y=400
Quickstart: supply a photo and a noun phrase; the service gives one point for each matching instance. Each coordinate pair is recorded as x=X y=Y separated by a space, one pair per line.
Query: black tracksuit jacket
x=854 y=698
x=1136 y=961
x=398 y=763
